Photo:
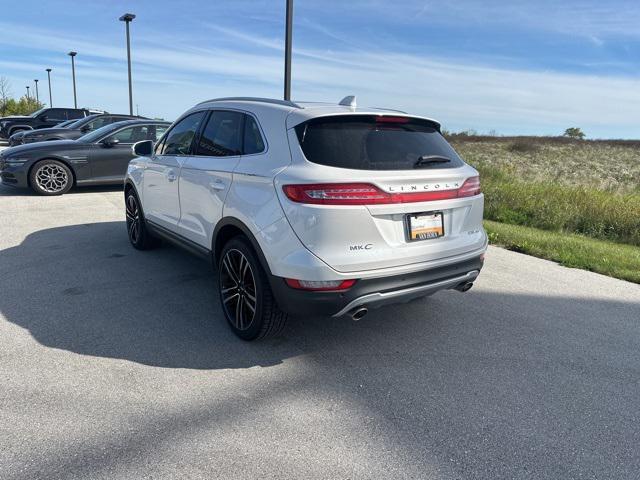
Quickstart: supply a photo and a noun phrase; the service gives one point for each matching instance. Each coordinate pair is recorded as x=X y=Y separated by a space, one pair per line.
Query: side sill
x=178 y=240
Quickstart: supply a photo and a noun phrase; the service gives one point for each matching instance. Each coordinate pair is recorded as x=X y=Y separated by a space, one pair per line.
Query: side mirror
x=43 y=118
x=143 y=148
x=110 y=142
x=85 y=129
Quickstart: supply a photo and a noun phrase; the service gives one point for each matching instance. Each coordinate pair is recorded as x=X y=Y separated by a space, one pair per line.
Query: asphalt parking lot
x=116 y=364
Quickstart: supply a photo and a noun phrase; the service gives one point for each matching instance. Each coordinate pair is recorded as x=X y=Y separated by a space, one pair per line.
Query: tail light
x=320 y=286
x=470 y=188
x=368 y=194
x=388 y=119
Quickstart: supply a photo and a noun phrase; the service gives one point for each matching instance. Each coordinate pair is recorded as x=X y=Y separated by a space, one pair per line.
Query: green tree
x=5 y=95
x=10 y=106
x=574 y=132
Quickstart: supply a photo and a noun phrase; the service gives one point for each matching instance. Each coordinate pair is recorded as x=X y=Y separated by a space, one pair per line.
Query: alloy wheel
x=133 y=219
x=52 y=178
x=238 y=289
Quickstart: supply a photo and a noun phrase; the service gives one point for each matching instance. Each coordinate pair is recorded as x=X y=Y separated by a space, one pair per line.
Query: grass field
x=575 y=202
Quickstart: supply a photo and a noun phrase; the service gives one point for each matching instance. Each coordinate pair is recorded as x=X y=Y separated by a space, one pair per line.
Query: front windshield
x=98 y=134
x=37 y=112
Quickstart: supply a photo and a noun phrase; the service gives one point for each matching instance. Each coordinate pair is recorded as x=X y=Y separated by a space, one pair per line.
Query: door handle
x=217 y=185
x=171 y=175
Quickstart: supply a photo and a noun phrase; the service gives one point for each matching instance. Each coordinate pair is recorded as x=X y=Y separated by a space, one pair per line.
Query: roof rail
x=286 y=103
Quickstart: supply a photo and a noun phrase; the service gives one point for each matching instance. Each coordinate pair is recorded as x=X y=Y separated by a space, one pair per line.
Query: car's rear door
x=52 y=117
x=207 y=174
x=160 y=185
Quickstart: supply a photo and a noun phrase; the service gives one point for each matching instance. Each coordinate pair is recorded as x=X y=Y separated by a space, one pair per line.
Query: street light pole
x=127 y=18
x=28 y=96
x=73 y=74
x=37 y=94
x=49 y=77
x=287 y=51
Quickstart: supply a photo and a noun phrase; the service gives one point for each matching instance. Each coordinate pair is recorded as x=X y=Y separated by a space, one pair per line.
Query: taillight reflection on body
x=368 y=194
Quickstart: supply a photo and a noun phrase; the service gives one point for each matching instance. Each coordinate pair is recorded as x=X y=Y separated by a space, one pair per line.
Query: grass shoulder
x=570 y=250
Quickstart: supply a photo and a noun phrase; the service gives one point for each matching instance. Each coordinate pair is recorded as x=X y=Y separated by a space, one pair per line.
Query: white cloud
x=169 y=79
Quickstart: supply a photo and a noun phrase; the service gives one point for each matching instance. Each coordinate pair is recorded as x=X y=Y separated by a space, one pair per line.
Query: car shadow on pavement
x=84 y=289
x=488 y=384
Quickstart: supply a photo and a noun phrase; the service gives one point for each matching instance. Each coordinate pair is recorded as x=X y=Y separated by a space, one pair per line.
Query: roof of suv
x=298 y=112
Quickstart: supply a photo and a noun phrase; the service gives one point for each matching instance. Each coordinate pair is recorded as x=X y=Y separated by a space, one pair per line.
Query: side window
x=73 y=114
x=253 y=142
x=132 y=134
x=99 y=122
x=56 y=115
x=157 y=132
x=221 y=136
x=180 y=137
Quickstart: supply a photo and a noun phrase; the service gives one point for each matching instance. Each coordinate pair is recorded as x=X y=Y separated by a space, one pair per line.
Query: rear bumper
x=376 y=292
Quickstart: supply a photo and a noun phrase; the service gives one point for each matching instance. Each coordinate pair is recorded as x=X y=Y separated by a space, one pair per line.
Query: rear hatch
x=371 y=191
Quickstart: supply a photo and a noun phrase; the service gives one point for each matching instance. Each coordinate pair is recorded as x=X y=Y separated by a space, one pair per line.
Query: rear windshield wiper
x=426 y=160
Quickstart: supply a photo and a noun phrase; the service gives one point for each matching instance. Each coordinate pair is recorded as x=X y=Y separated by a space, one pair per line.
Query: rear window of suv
x=375 y=142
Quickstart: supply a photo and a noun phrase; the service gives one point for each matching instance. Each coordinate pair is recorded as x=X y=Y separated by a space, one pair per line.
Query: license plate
x=425 y=226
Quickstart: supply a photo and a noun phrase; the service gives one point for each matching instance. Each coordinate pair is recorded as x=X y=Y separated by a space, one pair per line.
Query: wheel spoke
x=231 y=297
x=133 y=231
x=226 y=262
x=239 y=314
x=248 y=304
x=238 y=289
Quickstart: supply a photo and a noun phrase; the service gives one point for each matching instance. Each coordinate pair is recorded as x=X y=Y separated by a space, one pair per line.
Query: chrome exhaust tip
x=463 y=287
x=358 y=313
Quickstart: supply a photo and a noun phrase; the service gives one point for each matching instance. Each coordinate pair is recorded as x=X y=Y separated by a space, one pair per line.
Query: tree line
x=12 y=106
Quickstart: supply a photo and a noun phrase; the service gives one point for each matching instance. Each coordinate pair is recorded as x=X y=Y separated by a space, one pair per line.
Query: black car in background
x=97 y=158
x=74 y=131
x=16 y=138
x=43 y=118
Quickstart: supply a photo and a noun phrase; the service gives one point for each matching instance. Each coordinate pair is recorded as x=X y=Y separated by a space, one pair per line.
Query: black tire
x=50 y=177
x=238 y=282
x=137 y=231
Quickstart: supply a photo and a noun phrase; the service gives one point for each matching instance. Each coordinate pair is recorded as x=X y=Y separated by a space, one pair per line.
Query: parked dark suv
x=70 y=132
x=43 y=118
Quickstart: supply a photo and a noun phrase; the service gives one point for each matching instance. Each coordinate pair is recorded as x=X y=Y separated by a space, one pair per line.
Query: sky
x=510 y=67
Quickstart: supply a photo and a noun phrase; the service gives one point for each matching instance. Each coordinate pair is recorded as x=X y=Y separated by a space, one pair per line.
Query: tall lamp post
x=73 y=74
x=49 y=78
x=287 y=51
x=37 y=94
x=127 y=18
x=28 y=96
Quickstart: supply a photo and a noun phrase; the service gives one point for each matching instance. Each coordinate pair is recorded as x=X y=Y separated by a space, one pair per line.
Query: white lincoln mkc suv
x=309 y=208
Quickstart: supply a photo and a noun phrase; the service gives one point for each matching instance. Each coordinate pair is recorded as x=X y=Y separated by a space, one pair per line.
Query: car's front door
x=206 y=175
x=110 y=156
x=160 y=185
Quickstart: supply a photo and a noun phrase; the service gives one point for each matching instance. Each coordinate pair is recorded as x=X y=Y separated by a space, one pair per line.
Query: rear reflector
x=368 y=194
x=320 y=286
